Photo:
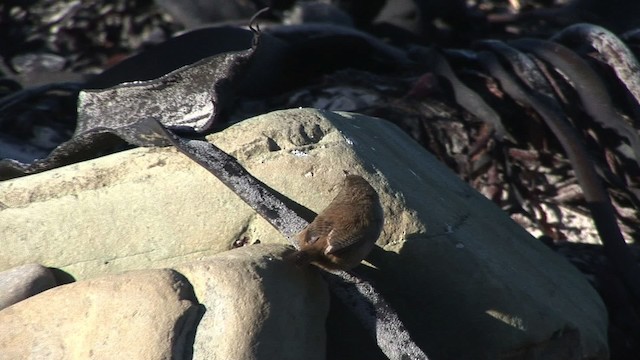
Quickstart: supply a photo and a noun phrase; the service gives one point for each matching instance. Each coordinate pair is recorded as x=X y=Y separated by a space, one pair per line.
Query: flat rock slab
x=258 y=306
x=148 y=314
x=468 y=281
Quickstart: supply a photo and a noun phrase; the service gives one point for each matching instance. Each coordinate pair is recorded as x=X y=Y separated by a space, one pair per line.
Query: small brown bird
x=346 y=231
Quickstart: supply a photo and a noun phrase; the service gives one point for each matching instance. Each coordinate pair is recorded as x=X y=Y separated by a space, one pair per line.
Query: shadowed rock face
x=21 y=282
x=258 y=306
x=252 y=305
x=468 y=282
x=135 y=315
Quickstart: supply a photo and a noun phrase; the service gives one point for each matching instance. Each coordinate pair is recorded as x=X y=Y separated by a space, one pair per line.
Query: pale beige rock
x=258 y=306
x=136 y=315
x=23 y=281
x=462 y=271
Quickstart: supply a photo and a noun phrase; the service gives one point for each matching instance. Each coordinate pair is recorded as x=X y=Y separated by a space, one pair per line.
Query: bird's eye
x=313 y=239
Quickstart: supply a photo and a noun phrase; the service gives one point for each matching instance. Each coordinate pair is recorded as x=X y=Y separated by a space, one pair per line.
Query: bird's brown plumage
x=344 y=233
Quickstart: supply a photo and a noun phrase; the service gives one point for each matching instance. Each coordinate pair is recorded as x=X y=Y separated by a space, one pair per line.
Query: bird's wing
x=339 y=240
x=317 y=229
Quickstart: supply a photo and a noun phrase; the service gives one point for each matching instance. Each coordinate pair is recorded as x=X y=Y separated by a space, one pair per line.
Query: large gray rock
x=469 y=283
x=147 y=314
x=22 y=282
x=258 y=306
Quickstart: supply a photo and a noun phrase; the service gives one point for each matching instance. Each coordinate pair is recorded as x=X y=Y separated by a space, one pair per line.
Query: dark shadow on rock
x=62 y=277
x=418 y=294
x=190 y=336
x=187 y=325
x=347 y=339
